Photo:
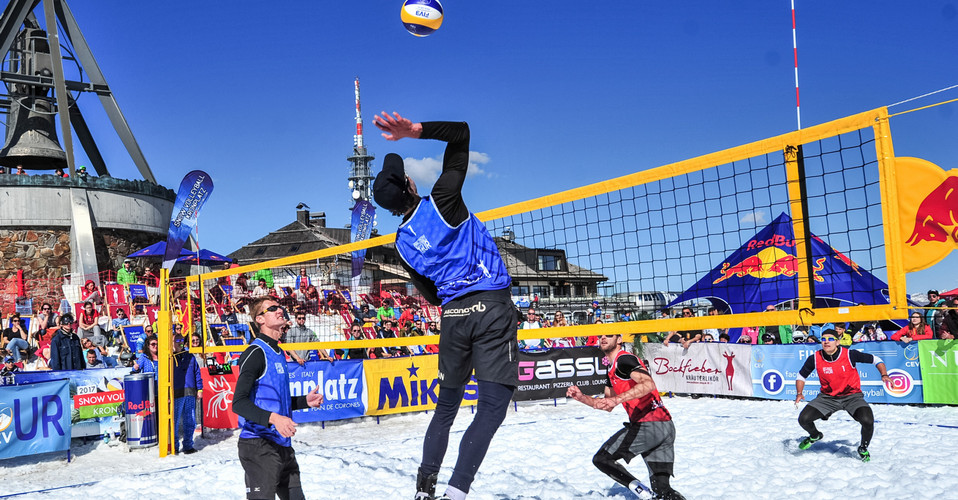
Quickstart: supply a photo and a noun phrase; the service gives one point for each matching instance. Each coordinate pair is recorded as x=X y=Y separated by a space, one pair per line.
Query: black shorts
x=270 y=469
x=479 y=331
x=652 y=440
x=828 y=405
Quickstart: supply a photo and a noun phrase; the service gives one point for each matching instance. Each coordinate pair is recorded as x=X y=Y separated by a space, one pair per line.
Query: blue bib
x=271 y=393
x=459 y=259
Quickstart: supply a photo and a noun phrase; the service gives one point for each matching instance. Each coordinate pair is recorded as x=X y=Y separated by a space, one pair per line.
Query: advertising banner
x=342 y=385
x=939 y=370
x=703 y=368
x=402 y=385
x=547 y=374
x=362 y=225
x=775 y=368
x=34 y=418
x=94 y=399
x=218 y=399
x=195 y=189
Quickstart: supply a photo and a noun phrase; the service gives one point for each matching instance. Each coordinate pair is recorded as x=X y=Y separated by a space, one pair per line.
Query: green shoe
x=807 y=442
x=863 y=454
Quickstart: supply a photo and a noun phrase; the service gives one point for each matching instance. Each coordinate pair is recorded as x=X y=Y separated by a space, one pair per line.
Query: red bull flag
x=764 y=271
x=928 y=212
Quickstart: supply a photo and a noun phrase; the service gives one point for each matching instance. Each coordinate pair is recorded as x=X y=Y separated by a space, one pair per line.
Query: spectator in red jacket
x=916 y=329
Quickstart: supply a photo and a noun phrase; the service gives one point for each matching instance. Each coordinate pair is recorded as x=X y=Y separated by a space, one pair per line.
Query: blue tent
x=155 y=250
x=206 y=257
x=763 y=271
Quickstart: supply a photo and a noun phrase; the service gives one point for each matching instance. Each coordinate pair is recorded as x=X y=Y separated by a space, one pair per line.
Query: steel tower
x=360 y=173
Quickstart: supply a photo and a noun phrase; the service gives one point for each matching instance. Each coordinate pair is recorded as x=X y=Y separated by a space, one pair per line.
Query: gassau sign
x=548 y=374
x=34 y=418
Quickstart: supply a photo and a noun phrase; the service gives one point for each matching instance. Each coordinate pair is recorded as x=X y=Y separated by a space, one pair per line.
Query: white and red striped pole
x=798 y=107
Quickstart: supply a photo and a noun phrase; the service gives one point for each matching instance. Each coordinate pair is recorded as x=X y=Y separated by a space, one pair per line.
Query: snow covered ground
x=724 y=449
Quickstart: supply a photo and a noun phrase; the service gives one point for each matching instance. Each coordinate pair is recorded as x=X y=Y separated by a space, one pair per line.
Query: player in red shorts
x=649 y=431
x=841 y=390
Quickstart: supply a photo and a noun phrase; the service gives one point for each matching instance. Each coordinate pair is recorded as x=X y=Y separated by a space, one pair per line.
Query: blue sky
x=557 y=95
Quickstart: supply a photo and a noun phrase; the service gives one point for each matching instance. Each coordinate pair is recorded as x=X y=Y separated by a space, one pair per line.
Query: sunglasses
x=273 y=308
x=153 y=344
x=829 y=339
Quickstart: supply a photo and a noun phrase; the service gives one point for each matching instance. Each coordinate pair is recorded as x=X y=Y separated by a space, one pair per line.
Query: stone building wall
x=44 y=256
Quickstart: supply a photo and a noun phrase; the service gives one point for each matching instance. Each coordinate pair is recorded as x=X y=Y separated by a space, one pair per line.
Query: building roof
x=295 y=238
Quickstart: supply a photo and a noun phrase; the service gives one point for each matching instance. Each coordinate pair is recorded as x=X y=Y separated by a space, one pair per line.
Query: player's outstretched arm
x=575 y=393
x=396 y=127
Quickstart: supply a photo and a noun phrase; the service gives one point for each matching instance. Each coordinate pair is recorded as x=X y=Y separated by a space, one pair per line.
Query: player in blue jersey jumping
x=453 y=261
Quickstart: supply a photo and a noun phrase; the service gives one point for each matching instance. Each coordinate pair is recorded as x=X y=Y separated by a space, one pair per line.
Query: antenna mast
x=360 y=173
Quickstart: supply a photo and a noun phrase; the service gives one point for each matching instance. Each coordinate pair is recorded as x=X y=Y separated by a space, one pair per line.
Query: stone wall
x=44 y=256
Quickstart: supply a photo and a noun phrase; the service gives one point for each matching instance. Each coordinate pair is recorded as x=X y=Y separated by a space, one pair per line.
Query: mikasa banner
x=703 y=368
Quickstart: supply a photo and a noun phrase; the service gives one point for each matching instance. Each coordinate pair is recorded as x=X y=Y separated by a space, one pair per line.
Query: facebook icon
x=773 y=382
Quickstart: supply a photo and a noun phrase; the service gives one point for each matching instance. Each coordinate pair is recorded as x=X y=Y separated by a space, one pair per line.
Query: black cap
x=829 y=331
x=389 y=188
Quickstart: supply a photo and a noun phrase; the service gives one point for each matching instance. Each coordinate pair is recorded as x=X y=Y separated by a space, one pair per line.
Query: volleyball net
x=790 y=230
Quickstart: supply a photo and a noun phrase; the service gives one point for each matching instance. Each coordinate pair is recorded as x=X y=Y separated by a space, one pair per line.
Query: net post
x=164 y=333
x=798 y=202
x=891 y=213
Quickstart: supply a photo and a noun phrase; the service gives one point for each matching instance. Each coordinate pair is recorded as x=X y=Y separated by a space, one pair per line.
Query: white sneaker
x=641 y=491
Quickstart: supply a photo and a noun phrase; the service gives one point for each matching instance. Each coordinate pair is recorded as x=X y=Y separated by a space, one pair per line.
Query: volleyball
x=421 y=17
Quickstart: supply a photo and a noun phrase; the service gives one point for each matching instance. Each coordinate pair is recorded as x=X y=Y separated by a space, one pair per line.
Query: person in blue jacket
x=65 y=350
x=454 y=261
x=264 y=405
x=187 y=384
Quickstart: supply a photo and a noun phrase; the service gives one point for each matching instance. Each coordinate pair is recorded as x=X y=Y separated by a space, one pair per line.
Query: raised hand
x=396 y=127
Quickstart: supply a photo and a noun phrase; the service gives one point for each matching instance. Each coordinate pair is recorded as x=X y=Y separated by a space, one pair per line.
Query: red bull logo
x=847 y=261
x=937 y=217
x=770 y=262
x=928 y=199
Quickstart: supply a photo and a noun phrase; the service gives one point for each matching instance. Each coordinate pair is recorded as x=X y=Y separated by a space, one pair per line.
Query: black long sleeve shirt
x=252 y=365
x=447 y=191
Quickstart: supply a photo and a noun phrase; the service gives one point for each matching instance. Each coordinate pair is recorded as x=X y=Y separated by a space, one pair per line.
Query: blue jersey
x=458 y=260
x=270 y=393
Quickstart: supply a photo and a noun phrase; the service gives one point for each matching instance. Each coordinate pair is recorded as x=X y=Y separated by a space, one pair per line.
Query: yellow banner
x=402 y=385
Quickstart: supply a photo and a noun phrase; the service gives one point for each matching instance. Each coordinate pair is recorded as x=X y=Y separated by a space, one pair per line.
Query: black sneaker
x=189 y=451
x=807 y=442
x=426 y=486
x=863 y=454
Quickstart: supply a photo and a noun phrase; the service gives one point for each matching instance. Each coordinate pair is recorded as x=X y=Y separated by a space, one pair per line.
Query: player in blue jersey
x=264 y=405
x=453 y=261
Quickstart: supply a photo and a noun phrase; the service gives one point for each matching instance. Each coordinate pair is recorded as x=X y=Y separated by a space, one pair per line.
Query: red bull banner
x=703 y=368
x=928 y=204
x=764 y=271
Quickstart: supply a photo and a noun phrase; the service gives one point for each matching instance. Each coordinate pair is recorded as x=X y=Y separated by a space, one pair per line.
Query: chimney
x=317 y=219
x=302 y=216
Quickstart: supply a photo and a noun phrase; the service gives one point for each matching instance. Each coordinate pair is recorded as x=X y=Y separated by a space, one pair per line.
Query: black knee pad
x=660 y=468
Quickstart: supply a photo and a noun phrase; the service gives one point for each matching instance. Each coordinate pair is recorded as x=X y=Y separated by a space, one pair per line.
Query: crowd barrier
x=921 y=372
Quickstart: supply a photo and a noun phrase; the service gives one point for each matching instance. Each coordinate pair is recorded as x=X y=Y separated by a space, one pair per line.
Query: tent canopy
x=764 y=271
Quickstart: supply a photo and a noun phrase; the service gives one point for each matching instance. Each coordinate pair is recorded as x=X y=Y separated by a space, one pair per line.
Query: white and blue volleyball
x=421 y=17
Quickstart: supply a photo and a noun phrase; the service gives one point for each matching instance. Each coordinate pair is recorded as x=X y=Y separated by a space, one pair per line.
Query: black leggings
x=659 y=474
x=863 y=415
x=491 y=409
